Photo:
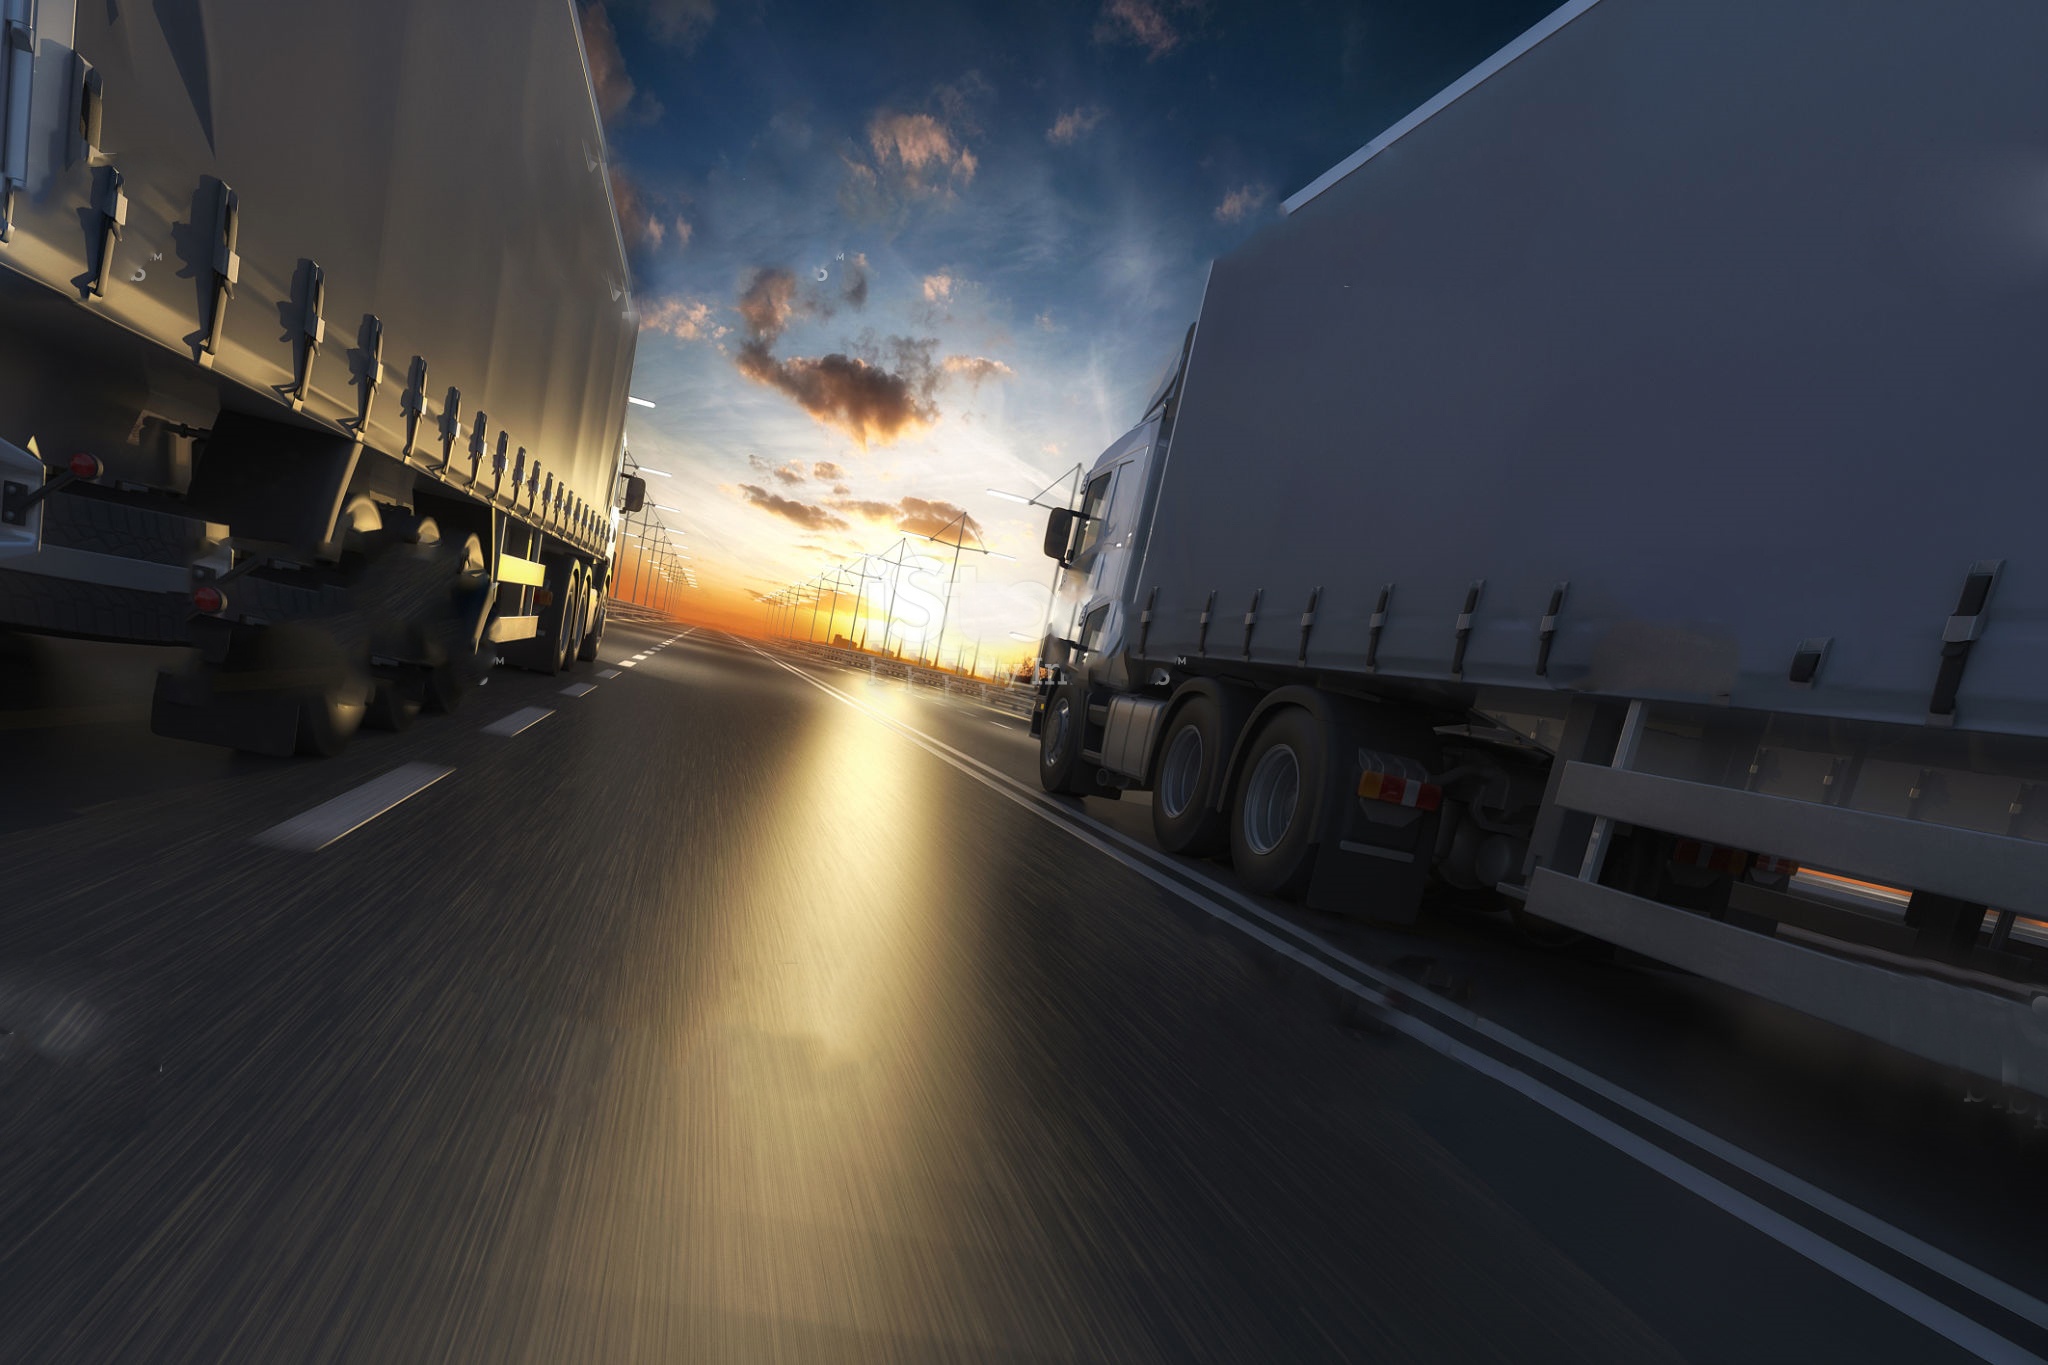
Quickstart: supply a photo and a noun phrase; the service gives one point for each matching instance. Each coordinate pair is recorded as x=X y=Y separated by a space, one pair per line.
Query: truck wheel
x=1184 y=815
x=576 y=624
x=588 y=651
x=401 y=690
x=1273 y=815
x=1059 y=741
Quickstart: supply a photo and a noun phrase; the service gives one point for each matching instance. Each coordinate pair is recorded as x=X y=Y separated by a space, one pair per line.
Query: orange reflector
x=542 y=597
x=1399 y=791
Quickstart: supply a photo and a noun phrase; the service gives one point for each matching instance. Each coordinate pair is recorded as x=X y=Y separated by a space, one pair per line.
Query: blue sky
x=889 y=256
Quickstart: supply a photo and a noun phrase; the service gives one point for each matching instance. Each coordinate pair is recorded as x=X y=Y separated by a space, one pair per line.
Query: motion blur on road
x=718 y=1007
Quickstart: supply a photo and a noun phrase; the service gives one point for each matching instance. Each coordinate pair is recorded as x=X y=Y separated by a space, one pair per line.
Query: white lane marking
x=328 y=821
x=629 y=663
x=526 y=717
x=579 y=689
x=1938 y=1317
x=608 y=673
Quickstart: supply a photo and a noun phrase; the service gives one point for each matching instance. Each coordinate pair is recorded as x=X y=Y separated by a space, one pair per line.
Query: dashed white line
x=608 y=673
x=579 y=689
x=629 y=663
x=1959 y=1328
x=328 y=821
x=524 y=718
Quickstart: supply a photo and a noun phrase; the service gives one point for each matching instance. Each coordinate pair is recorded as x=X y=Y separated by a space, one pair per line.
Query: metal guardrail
x=1017 y=699
x=633 y=613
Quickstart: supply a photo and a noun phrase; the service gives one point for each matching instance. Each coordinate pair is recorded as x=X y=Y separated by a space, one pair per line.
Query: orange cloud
x=917 y=516
x=976 y=368
x=683 y=319
x=1073 y=125
x=789 y=509
x=1137 y=21
x=1240 y=203
x=865 y=401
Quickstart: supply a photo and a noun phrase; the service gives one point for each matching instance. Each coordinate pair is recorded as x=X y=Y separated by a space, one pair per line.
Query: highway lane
x=710 y=1017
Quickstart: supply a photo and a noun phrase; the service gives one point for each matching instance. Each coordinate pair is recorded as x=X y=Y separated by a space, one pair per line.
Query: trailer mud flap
x=1355 y=876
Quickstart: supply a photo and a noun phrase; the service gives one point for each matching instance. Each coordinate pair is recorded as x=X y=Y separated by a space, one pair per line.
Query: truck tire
x=1060 y=733
x=1184 y=815
x=1275 y=810
x=587 y=652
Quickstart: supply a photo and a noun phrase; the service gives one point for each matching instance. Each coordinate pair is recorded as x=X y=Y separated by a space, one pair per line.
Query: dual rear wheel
x=1269 y=823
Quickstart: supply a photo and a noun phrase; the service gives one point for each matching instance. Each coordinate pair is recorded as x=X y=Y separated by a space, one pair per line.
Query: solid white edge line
x=520 y=721
x=1931 y=1313
x=2014 y=1300
x=312 y=830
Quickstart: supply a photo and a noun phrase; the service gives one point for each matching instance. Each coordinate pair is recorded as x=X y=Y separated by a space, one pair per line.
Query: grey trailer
x=315 y=332
x=1614 y=487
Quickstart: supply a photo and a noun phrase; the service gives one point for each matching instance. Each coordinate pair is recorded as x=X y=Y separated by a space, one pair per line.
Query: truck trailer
x=315 y=332
x=1618 y=489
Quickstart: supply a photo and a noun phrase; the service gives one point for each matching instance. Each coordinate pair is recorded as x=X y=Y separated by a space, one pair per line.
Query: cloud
x=679 y=23
x=767 y=303
x=1045 y=322
x=863 y=400
x=683 y=319
x=825 y=469
x=853 y=282
x=647 y=220
x=976 y=368
x=915 y=155
x=1073 y=125
x=1143 y=22
x=916 y=516
x=938 y=288
x=1241 y=202
x=802 y=513
x=791 y=473
x=841 y=489
x=618 y=100
x=854 y=394
x=921 y=149
x=922 y=517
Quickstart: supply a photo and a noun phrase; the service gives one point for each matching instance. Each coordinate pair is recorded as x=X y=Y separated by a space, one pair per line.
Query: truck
x=315 y=335
x=1616 y=491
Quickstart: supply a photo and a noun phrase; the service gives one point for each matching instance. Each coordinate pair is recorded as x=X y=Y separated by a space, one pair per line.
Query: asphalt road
x=736 y=1010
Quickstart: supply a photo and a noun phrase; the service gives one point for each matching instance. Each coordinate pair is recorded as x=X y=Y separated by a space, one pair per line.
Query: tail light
x=209 y=600
x=1399 y=791
x=86 y=467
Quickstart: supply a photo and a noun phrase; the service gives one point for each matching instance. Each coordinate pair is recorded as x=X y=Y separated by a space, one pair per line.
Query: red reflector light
x=86 y=467
x=543 y=598
x=1399 y=791
x=209 y=599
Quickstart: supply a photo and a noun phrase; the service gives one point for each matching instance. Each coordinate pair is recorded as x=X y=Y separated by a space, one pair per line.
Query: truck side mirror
x=636 y=493
x=1059 y=534
x=1054 y=652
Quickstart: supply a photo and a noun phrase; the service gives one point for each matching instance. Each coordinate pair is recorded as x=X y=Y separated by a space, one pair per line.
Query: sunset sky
x=890 y=256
